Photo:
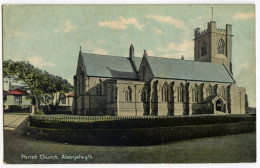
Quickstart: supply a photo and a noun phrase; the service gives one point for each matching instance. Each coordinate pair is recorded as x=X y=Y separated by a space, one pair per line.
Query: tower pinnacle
x=145 y=53
x=80 y=50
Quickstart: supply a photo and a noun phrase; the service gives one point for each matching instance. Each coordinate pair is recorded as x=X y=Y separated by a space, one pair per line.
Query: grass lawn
x=232 y=148
x=222 y=149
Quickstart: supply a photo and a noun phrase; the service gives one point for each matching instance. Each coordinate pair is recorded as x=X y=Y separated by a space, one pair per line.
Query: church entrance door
x=220 y=106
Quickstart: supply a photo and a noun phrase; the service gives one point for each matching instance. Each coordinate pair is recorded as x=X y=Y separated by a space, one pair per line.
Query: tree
x=40 y=82
x=55 y=86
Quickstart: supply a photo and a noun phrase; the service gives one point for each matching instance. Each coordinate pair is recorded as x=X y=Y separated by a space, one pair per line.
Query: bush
x=60 y=110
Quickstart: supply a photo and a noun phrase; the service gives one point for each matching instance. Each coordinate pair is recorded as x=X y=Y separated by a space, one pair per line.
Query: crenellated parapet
x=199 y=33
x=212 y=29
x=221 y=30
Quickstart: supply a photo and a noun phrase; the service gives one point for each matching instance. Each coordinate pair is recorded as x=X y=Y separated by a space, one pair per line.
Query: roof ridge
x=150 y=57
x=181 y=60
x=167 y=58
x=231 y=75
x=192 y=70
x=105 y=55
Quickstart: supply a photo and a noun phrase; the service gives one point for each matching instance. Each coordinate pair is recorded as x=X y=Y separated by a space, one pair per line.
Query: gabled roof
x=138 y=61
x=214 y=97
x=17 y=92
x=188 y=70
x=108 y=66
x=210 y=98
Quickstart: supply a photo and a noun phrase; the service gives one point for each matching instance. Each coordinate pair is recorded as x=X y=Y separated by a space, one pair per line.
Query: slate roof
x=108 y=66
x=121 y=68
x=189 y=70
x=17 y=92
x=138 y=61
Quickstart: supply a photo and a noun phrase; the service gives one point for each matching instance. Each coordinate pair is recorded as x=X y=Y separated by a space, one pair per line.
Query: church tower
x=214 y=45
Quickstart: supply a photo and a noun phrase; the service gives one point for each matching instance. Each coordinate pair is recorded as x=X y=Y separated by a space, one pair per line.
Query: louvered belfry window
x=221 y=46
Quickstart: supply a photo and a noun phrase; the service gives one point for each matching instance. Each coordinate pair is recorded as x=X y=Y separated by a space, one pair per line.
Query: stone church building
x=148 y=85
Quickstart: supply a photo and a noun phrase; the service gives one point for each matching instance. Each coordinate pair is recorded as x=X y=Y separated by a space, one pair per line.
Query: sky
x=49 y=36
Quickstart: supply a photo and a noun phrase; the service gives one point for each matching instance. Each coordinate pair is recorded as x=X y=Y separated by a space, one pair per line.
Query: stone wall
x=111 y=99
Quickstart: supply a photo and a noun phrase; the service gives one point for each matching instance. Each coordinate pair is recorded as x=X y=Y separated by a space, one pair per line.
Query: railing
x=90 y=119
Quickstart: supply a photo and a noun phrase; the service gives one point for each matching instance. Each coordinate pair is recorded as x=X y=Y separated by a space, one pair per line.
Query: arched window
x=143 y=73
x=128 y=94
x=222 y=92
x=164 y=93
x=221 y=46
x=208 y=91
x=115 y=97
x=99 y=87
x=143 y=98
x=112 y=94
x=78 y=85
x=155 y=91
x=203 y=49
x=194 y=95
x=180 y=93
x=81 y=83
x=82 y=78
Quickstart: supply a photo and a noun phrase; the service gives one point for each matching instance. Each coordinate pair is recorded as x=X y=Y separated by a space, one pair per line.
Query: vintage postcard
x=129 y=84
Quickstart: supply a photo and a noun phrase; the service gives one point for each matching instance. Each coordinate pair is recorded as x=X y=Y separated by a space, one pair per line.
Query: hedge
x=99 y=122
x=139 y=136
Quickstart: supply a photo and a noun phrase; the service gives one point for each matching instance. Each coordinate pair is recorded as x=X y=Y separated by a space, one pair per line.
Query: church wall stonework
x=111 y=103
x=103 y=105
x=237 y=99
x=129 y=98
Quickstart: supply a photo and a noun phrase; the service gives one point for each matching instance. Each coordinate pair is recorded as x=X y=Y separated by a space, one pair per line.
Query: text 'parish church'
x=135 y=86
